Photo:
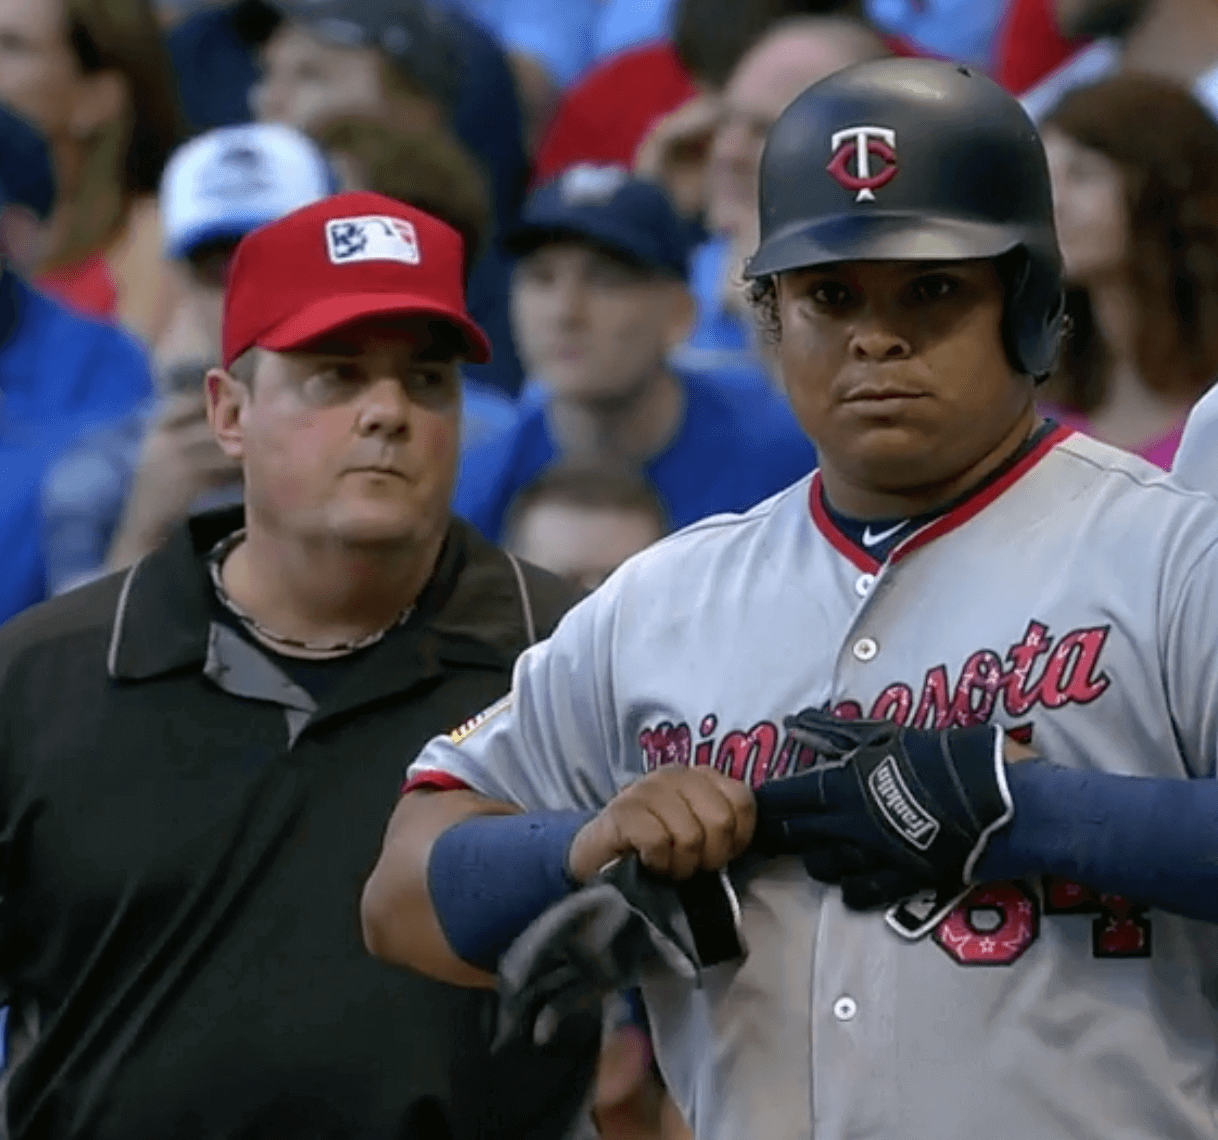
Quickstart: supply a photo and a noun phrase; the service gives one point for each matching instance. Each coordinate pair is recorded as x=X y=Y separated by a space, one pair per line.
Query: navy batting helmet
x=916 y=160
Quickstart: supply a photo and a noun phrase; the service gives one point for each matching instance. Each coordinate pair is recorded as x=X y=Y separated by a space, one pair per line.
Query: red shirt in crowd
x=1029 y=45
x=88 y=287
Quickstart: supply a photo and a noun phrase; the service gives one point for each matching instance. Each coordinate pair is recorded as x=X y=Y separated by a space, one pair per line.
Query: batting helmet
x=916 y=160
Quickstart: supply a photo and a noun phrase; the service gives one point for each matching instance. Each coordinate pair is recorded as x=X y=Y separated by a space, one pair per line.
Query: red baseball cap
x=340 y=260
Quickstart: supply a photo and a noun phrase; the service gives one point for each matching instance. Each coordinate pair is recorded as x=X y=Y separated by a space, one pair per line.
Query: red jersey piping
x=957 y=516
x=436 y=781
x=824 y=522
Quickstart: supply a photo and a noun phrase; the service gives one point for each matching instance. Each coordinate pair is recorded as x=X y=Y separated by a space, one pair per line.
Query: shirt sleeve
x=83 y=496
x=554 y=742
x=557 y=33
x=1196 y=462
x=1190 y=661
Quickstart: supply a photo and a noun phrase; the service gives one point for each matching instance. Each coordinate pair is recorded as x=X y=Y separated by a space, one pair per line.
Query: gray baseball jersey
x=1196 y=462
x=1074 y=600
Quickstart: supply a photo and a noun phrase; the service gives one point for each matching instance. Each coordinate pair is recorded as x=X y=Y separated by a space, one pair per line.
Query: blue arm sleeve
x=489 y=876
x=1150 y=841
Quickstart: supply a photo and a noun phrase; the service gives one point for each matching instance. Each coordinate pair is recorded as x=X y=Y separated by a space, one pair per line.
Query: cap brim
x=182 y=244
x=882 y=237
x=333 y=313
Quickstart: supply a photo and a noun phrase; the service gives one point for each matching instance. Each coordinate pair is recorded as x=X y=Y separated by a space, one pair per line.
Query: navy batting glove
x=885 y=811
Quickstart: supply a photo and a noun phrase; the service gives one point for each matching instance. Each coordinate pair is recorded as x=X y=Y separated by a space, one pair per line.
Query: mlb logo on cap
x=347 y=258
x=373 y=237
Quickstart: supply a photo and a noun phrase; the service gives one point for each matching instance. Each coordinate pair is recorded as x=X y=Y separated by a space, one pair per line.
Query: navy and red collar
x=956 y=515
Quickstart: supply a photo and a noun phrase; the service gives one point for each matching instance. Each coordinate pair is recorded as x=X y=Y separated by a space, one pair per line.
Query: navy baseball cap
x=420 y=42
x=26 y=172
x=604 y=205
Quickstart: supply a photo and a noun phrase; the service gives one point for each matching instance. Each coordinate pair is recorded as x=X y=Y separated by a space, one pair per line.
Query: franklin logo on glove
x=906 y=815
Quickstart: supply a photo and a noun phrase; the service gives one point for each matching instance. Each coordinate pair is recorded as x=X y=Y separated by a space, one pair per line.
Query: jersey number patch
x=997 y=922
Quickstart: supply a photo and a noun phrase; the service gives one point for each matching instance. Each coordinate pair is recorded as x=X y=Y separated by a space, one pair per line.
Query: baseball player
x=1196 y=461
x=836 y=681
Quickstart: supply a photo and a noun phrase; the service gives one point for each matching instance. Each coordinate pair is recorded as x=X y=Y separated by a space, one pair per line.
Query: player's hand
x=677 y=819
x=886 y=810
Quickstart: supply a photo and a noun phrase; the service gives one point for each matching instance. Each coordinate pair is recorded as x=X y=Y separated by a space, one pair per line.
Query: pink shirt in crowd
x=1160 y=451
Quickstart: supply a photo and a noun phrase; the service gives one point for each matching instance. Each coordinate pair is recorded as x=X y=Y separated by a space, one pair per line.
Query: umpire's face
x=897 y=371
x=354 y=440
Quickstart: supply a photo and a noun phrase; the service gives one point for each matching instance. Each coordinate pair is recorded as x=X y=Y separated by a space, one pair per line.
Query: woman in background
x=1134 y=163
x=95 y=77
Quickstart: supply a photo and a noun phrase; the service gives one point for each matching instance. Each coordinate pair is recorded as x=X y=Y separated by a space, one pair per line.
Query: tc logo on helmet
x=857 y=146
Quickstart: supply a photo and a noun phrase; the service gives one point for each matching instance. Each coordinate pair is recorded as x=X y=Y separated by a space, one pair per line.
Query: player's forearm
x=1150 y=841
x=461 y=876
x=399 y=921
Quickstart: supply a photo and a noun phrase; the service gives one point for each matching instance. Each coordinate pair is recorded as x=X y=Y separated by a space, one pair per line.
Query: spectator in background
x=26 y=172
x=397 y=60
x=605 y=117
x=94 y=77
x=599 y=300
x=59 y=373
x=1030 y=45
x=964 y=30
x=551 y=44
x=1134 y=163
x=115 y=496
x=433 y=173
x=790 y=57
x=214 y=46
x=1175 y=40
x=548 y=44
x=581 y=521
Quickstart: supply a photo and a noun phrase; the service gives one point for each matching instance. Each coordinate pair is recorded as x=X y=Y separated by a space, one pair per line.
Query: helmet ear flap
x=1034 y=313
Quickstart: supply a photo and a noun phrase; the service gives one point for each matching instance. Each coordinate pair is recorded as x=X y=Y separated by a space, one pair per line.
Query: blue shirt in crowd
x=734 y=447
x=963 y=30
x=60 y=374
x=568 y=36
x=85 y=492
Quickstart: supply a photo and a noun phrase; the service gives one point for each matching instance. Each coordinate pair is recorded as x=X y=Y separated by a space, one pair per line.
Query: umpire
x=198 y=757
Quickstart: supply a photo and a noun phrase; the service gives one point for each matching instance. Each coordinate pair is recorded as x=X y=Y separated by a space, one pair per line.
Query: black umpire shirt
x=185 y=831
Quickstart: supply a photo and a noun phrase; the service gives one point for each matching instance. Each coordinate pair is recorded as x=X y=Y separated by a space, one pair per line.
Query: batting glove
x=886 y=811
x=606 y=936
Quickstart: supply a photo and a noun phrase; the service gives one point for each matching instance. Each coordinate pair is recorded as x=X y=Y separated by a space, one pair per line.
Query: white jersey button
x=845 y=1008
x=865 y=648
x=863 y=586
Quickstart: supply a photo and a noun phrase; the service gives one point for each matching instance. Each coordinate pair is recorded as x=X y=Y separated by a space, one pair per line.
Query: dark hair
x=124 y=36
x=591 y=486
x=430 y=171
x=712 y=36
x=762 y=294
x=1167 y=147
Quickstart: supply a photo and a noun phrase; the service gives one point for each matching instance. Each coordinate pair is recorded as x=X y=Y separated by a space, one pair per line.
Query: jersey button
x=863 y=586
x=845 y=1008
x=865 y=648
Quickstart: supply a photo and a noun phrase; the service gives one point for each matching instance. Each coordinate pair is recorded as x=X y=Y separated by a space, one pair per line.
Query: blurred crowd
x=599 y=160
